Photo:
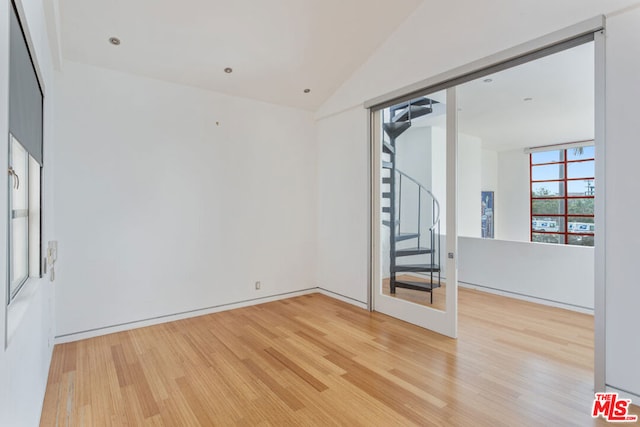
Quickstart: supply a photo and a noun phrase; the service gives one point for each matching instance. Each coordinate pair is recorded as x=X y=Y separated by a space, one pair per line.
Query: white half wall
x=622 y=315
x=171 y=199
x=26 y=325
x=554 y=273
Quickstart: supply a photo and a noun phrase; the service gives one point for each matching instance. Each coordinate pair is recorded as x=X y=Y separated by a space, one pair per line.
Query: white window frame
x=31 y=181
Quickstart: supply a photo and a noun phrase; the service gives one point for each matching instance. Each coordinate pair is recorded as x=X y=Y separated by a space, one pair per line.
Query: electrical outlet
x=258 y=284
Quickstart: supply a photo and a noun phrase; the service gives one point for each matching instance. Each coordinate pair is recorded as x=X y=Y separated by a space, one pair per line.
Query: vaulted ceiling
x=276 y=48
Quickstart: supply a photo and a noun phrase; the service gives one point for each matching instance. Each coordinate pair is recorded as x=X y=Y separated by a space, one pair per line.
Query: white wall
x=489 y=178
x=551 y=273
x=622 y=207
x=343 y=204
x=413 y=154
x=27 y=324
x=171 y=199
x=469 y=185
x=512 y=198
x=405 y=59
x=414 y=157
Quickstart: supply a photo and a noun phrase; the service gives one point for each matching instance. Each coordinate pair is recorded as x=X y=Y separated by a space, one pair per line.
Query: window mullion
x=566 y=199
x=530 y=197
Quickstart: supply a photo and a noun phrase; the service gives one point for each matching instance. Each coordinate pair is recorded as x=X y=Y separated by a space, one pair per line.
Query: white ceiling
x=561 y=109
x=277 y=48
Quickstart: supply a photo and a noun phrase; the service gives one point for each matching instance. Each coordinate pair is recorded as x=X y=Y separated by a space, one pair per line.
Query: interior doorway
x=523 y=228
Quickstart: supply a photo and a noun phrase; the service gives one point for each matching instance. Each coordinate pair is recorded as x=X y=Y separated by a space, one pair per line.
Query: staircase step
x=388 y=148
x=386 y=180
x=386 y=195
x=386 y=209
x=387 y=165
x=412 y=112
x=418 y=286
x=416 y=268
x=406 y=236
x=420 y=101
x=413 y=251
x=395 y=129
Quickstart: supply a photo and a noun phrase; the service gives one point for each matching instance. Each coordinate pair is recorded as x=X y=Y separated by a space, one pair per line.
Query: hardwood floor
x=313 y=360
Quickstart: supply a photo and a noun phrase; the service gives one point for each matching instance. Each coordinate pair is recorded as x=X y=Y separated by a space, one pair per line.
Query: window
x=562 y=196
x=24 y=162
x=24 y=217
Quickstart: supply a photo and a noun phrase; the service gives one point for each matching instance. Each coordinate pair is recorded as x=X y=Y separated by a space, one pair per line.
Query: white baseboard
x=635 y=398
x=342 y=298
x=515 y=295
x=528 y=298
x=224 y=307
x=76 y=336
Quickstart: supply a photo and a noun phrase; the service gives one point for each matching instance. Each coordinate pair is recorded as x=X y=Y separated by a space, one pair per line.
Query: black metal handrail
x=434 y=229
x=420 y=187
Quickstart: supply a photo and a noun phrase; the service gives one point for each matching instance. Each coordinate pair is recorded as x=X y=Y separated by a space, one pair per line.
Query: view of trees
x=558 y=198
x=542 y=208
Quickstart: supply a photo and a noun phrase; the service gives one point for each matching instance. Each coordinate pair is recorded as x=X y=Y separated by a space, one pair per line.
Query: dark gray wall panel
x=25 y=96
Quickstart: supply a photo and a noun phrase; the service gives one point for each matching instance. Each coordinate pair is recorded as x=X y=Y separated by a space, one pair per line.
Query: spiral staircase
x=413 y=242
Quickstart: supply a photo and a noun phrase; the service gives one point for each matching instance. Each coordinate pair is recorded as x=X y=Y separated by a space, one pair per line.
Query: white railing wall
x=559 y=274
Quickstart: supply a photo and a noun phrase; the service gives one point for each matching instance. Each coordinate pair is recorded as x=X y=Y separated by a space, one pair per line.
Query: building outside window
x=562 y=186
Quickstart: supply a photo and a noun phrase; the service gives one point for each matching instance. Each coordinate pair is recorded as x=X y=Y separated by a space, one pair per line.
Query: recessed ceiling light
x=114 y=41
x=307 y=90
x=487 y=80
x=527 y=99
x=228 y=70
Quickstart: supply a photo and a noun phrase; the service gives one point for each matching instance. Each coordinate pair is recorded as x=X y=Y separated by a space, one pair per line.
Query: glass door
x=414 y=219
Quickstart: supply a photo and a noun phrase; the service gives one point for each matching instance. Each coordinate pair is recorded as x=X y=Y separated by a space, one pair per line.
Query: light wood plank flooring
x=312 y=360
